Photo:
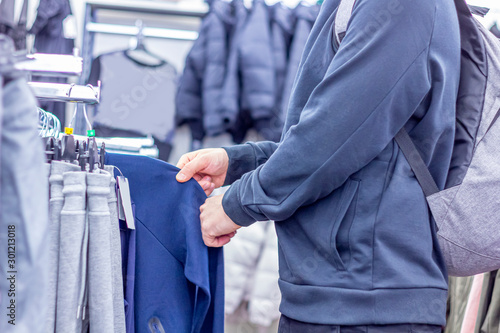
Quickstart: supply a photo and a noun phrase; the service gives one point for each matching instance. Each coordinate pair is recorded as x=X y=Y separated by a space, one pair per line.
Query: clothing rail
x=51 y=65
x=153 y=7
x=127 y=30
x=91 y=27
x=63 y=92
x=132 y=146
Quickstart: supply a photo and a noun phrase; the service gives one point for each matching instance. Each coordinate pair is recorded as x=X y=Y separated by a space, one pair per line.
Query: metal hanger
x=139 y=53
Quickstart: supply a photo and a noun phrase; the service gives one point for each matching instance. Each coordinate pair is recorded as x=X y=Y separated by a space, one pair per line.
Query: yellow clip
x=68 y=130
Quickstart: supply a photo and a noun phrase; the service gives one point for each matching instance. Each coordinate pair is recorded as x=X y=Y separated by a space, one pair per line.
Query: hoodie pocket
x=342 y=223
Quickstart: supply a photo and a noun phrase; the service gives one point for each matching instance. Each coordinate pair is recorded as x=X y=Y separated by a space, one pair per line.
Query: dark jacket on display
x=257 y=69
x=48 y=27
x=305 y=17
x=216 y=51
x=49 y=38
x=188 y=102
x=282 y=29
x=356 y=242
x=199 y=93
x=230 y=99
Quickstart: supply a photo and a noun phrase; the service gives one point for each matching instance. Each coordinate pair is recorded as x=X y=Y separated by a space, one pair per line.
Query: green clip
x=91 y=133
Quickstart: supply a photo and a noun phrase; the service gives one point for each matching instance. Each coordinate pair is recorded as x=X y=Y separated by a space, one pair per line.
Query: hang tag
x=121 y=212
x=70 y=27
x=125 y=201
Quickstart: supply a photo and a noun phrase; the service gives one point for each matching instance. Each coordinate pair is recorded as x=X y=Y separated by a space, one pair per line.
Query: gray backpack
x=467 y=211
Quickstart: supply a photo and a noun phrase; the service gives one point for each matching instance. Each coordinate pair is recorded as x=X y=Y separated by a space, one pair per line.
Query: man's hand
x=216 y=227
x=207 y=166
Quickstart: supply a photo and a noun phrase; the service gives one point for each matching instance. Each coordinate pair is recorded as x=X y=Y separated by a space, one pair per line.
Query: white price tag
x=125 y=202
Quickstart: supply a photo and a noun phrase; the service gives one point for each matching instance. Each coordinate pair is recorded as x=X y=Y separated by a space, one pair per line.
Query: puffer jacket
x=305 y=16
x=251 y=275
x=200 y=88
x=216 y=52
x=188 y=100
x=282 y=29
x=257 y=67
x=48 y=27
x=231 y=92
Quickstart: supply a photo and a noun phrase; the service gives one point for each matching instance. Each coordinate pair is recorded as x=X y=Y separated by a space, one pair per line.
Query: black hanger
x=93 y=153
x=83 y=156
x=53 y=149
x=102 y=155
x=69 y=151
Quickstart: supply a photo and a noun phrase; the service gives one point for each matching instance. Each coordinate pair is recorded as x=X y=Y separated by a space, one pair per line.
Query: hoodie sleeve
x=371 y=88
x=246 y=158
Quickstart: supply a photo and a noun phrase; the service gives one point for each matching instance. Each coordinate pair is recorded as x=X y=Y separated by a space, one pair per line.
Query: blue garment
x=356 y=242
x=179 y=282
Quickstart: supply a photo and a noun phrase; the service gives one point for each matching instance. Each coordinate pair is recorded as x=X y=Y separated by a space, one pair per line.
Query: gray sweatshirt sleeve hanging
x=69 y=282
x=100 y=271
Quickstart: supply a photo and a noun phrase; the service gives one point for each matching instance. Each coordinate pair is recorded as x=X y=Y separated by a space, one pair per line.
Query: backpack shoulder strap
x=342 y=18
x=416 y=162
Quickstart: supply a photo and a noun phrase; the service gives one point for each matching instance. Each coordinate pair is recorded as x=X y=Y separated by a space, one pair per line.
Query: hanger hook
x=93 y=90
x=68 y=93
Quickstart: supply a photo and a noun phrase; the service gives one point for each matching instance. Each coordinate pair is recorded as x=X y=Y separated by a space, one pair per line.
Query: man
x=357 y=246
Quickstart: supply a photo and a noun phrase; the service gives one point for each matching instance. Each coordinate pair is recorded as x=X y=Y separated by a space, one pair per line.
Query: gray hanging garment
x=100 y=271
x=23 y=212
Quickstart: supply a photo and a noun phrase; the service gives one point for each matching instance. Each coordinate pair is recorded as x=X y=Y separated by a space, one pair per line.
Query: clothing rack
x=152 y=7
x=127 y=30
x=66 y=92
x=91 y=26
x=130 y=146
x=51 y=65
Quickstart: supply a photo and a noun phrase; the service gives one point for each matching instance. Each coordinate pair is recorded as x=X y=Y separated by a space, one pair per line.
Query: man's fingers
x=216 y=241
x=190 y=169
x=210 y=189
x=184 y=160
x=204 y=182
x=222 y=240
